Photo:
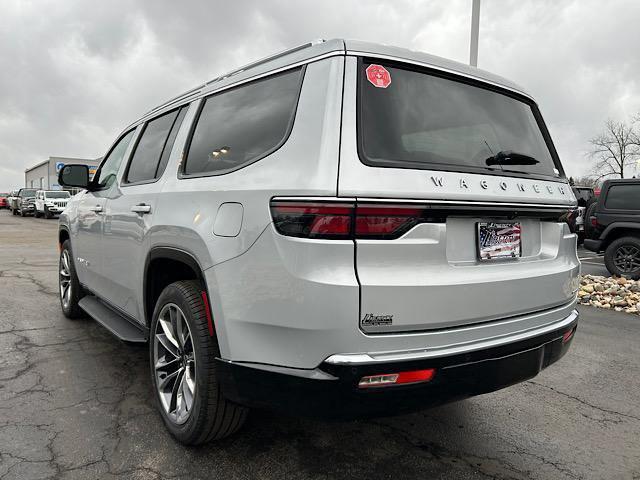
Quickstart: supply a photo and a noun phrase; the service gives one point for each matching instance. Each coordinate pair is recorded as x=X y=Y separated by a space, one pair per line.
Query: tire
x=69 y=304
x=622 y=257
x=211 y=416
x=22 y=214
x=47 y=215
x=36 y=214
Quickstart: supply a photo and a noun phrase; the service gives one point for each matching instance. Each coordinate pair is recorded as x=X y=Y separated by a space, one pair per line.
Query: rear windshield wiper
x=507 y=157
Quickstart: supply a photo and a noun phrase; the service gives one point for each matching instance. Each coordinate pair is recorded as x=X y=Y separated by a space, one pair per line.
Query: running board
x=117 y=324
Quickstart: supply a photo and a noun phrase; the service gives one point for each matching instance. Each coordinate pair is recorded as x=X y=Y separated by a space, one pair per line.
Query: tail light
x=400 y=378
x=340 y=221
x=313 y=219
x=384 y=222
x=594 y=221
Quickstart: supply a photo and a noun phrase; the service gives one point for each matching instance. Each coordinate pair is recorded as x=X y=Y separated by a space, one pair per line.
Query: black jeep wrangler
x=615 y=227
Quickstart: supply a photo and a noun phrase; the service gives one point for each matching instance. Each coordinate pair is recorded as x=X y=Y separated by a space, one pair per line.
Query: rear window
x=623 y=197
x=244 y=124
x=414 y=119
x=28 y=193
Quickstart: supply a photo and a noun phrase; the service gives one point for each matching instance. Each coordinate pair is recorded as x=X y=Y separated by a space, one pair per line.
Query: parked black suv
x=615 y=227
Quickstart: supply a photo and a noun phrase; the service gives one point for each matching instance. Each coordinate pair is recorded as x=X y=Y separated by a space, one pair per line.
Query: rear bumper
x=593 y=245
x=331 y=390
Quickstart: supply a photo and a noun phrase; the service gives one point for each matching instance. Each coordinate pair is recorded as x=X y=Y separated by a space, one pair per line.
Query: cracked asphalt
x=76 y=404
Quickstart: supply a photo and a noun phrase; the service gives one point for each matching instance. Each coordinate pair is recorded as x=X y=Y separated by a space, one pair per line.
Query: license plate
x=498 y=240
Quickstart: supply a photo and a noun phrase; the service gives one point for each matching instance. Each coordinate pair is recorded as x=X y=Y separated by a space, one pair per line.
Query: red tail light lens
x=333 y=220
x=313 y=219
x=381 y=221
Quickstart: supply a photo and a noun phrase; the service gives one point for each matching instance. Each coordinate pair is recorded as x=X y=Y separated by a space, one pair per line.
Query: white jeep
x=51 y=202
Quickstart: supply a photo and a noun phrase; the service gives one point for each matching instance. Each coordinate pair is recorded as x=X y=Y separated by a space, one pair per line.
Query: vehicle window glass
x=420 y=120
x=244 y=124
x=623 y=197
x=108 y=171
x=56 y=195
x=28 y=193
x=164 y=158
x=144 y=162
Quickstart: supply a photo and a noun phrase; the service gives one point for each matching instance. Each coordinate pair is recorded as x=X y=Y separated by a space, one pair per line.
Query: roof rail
x=265 y=60
x=196 y=90
x=192 y=91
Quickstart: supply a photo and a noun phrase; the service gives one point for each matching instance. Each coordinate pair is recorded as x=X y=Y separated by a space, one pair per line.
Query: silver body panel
x=295 y=302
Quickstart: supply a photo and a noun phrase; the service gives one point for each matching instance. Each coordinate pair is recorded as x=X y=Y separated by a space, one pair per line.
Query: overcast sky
x=73 y=73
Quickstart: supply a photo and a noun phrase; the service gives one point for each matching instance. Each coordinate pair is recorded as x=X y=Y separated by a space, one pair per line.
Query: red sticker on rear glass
x=378 y=76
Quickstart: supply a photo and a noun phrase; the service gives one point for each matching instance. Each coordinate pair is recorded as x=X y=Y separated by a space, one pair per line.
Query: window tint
x=244 y=124
x=55 y=194
x=144 y=162
x=110 y=166
x=420 y=121
x=164 y=159
x=624 y=197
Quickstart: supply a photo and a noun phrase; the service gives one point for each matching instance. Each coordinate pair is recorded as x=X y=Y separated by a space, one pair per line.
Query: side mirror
x=74 y=176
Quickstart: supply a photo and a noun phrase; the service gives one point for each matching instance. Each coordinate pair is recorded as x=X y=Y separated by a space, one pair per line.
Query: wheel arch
x=163 y=266
x=63 y=235
x=618 y=230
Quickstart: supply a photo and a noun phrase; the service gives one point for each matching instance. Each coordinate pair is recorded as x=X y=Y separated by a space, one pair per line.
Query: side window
x=154 y=142
x=241 y=125
x=623 y=197
x=164 y=159
x=111 y=164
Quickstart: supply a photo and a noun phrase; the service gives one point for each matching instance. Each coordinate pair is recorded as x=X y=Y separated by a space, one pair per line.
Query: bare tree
x=616 y=149
x=587 y=181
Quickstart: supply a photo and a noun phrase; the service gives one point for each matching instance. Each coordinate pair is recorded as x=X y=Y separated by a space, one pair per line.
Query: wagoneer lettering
x=343 y=229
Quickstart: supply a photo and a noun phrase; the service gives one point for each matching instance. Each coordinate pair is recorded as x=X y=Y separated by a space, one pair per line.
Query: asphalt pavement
x=592 y=263
x=75 y=403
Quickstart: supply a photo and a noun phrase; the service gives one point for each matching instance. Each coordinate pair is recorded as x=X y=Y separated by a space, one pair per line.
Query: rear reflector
x=401 y=378
x=568 y=335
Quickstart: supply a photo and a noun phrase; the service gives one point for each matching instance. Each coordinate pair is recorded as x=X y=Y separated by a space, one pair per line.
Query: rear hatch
x=460 y=195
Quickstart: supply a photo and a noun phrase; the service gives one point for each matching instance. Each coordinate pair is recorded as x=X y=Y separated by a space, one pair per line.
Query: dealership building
x=44 y=175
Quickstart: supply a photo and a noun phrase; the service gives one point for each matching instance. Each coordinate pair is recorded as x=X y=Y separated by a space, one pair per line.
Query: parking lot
x=592 y=263
x=76 y=403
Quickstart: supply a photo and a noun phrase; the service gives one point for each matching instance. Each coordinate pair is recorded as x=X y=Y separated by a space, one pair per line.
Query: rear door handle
x=97 y=209
x=141 y=208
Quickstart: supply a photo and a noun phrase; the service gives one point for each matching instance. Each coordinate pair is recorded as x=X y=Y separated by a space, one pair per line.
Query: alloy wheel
x=174 y=363
x=627 y=258
x=65 y=279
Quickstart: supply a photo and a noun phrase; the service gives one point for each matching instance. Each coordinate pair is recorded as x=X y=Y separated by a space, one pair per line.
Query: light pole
x=475 y=31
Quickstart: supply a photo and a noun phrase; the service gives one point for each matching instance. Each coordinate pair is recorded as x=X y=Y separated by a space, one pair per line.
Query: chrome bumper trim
x=426 y=353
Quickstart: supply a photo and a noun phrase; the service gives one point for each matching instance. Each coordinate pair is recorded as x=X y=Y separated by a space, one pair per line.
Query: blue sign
x=59 y=166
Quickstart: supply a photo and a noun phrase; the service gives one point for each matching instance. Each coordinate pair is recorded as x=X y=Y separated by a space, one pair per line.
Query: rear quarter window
x=623 y=197
x=239 y=126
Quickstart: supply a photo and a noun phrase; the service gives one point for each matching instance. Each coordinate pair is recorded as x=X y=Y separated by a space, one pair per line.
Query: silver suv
x=343 y=229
